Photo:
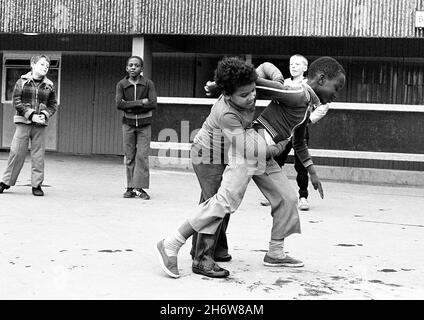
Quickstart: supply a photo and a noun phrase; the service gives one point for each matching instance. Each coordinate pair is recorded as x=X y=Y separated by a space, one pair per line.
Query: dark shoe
x=212 y=270
x=38 y=192
x=225 y=258
x=287 y=261
x=130 y=193
x=3 y=187
x=168 y=263
x=142 y=194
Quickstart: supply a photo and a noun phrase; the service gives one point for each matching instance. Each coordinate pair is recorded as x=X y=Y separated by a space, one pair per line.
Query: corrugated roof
x=324 y=18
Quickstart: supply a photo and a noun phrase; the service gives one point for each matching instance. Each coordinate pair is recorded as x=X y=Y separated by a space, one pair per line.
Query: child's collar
x=28 y=76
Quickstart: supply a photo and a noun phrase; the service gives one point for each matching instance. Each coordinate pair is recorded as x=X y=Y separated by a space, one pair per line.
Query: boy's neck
x=36 y=76
x=134 y=79
x=297 y=79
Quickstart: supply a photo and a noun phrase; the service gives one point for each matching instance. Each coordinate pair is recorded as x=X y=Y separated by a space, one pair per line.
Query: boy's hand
x=317 y=184
x=38 y=118
x=210 y=88
x=276 y=149
x=42 y=106
x=144 y=101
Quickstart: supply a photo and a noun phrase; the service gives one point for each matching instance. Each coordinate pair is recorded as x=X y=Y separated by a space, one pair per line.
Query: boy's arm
x=302 y=152
x=121 y=104
x=51 y=107
x=269 y=71
x=246 y=142
x=135 y=106
x=319 y=113
x=268 y=76
x=23 y=108
x=151 y=102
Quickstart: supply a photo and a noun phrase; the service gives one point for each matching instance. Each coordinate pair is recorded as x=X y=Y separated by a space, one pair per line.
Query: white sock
x=276 y=249
x=173 y=244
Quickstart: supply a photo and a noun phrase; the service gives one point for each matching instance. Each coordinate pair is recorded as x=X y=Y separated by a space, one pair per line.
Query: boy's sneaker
x=142 y=194
x=287 y=261
x=303 y=204
x=3 y=187
x=168 y=263
x=130 y=193
x=38 y=192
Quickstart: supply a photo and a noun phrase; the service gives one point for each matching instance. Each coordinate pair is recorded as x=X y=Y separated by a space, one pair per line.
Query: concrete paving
x=84 y=241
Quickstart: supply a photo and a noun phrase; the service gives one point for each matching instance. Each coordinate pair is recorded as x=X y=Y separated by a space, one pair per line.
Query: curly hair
x=232 y=73
x=329 y=66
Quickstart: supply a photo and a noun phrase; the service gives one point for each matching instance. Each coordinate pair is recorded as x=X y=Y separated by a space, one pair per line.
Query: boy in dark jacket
x=136 y=97
x=34 y=98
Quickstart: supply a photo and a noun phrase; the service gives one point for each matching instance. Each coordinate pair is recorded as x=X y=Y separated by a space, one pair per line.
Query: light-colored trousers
x=273 y=184
x=136 y=151
x=18 y=150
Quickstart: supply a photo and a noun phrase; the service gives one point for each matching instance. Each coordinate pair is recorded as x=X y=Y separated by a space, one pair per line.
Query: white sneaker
x=303 y=204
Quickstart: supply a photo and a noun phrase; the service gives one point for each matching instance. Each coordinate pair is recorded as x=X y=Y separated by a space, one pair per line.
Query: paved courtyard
x=84 y=241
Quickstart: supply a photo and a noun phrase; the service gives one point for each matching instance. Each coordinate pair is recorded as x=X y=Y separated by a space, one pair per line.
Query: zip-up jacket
x=287 y=116
x=129 y=98
x=30 y=98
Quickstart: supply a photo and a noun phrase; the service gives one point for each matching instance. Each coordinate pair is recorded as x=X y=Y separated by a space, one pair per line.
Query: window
x=16 y=64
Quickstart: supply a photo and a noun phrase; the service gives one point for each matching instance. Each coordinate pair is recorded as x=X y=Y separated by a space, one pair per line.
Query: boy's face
x=244 y=97
x=40 y=68
x=327 y=89
x=134 y=67
x=297 y=67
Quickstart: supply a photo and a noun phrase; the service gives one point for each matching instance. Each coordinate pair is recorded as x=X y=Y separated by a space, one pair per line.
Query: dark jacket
x=129 y=100
x=30 y=98
x=287 y=116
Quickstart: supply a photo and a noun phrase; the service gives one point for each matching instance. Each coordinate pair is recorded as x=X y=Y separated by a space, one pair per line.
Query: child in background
x=136 y=97
x=34 y=98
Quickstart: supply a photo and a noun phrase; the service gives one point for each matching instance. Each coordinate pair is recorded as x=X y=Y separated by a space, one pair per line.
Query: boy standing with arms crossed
x=136 y=97
x=34 y=98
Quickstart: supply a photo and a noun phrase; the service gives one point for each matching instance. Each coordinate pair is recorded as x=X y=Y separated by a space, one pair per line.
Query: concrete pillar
x=142 y=47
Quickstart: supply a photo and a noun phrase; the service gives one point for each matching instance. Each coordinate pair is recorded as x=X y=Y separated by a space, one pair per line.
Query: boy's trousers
x=273 y=184
x=136 y=151
x=210 y=176
x=18 y=150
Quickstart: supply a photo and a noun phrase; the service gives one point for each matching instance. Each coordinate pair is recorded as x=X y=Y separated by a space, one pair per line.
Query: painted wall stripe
x=318 y=153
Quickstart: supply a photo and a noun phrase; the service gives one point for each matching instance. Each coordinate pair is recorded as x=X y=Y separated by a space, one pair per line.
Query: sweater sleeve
x=299 y=145
x=270 y=72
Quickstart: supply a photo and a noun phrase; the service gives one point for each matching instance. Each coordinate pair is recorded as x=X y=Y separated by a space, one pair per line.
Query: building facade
x=377 y=122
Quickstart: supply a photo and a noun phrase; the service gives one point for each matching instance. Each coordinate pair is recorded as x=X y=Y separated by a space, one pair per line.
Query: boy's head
x=326 y=76
x=40 y=65
x=236 y=79
x=298 y=65
x=134 y=66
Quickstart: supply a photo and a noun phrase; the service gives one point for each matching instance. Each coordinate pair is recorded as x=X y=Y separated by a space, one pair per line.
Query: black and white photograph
x=227 y=153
